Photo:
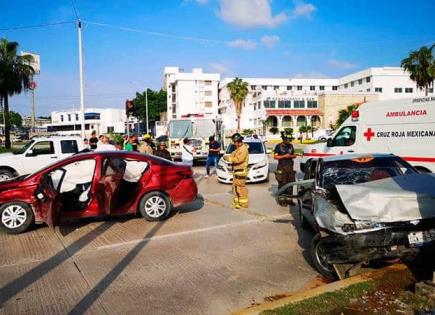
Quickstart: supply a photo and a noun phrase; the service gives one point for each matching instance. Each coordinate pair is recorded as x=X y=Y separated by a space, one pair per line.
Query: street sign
x=32 y=85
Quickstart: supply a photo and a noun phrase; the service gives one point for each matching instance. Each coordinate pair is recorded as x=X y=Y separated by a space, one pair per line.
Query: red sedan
x=96 y=184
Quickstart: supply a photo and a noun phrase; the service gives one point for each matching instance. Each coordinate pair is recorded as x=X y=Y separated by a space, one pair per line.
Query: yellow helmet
x=146 y=136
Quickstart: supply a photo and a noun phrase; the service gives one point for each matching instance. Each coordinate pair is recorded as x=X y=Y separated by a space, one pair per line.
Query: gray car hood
x=401 y=198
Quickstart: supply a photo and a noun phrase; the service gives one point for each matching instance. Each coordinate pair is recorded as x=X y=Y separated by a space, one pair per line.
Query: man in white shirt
x=187 y=152
x=104 y=145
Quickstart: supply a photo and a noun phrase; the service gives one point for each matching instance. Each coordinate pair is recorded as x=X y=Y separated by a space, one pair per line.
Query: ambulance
x=404 y=127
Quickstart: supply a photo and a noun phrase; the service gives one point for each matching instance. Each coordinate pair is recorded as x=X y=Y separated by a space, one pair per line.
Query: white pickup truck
x=36 y=154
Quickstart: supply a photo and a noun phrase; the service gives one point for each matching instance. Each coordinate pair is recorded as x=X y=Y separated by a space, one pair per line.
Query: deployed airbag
x=401 y=198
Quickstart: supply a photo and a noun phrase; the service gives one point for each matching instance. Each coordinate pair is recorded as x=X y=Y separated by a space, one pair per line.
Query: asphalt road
x=205 y=259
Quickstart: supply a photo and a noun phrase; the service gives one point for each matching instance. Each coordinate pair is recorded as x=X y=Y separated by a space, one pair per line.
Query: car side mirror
x=329 y=142
x=30 y=153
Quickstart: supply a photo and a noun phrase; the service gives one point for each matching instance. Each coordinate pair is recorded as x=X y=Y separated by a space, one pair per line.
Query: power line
x=75 y=9
x=34 y=26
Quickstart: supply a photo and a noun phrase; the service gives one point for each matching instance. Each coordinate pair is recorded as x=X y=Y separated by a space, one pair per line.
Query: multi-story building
x=292 y=103
x=193 y=92
x=39 y=122
x=102 y=120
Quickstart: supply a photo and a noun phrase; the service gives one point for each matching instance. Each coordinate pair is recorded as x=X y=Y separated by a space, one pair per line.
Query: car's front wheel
x=155 y=206
x=16 y=217
x=318 y=258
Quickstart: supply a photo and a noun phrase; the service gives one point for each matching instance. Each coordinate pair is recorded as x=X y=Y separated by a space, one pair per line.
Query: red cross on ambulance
x=369 y=134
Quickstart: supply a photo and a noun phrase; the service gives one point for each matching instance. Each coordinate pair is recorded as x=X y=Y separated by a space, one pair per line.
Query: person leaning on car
x=239 y=158
x=284 y=153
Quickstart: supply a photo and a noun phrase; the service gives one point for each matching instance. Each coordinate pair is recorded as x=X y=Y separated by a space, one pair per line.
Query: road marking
x=201 y=230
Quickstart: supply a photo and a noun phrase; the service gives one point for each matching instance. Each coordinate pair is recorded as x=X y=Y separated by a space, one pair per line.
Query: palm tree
x=344 y=113
x=238 y=91
x=15 y=76
x=421 y=66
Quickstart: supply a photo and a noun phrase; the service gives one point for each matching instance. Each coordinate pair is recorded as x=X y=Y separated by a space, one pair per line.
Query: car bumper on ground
x=383 y=244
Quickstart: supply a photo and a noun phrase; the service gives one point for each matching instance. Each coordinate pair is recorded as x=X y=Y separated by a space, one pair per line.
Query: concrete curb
x=330 y=287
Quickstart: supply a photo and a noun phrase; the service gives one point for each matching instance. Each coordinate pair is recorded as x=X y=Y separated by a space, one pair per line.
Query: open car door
x=48 y=198
x=110 y=183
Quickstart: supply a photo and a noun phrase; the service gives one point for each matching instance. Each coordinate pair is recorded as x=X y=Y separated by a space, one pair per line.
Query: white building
x=295 y=102
x=102 y=120
x=191 y=92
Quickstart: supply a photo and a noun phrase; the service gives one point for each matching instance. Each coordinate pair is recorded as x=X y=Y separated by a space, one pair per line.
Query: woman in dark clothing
x=163 y=152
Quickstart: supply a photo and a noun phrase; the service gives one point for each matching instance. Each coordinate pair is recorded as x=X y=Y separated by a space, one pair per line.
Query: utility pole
x=33 y=110
x=146 y=109
x=82 y=98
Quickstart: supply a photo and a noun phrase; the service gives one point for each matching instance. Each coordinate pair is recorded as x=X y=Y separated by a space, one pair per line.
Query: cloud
x=303 y=9
x=250 y=13
x=270 y=41
x=341 y=64
x=247 y=44
x=221 y=68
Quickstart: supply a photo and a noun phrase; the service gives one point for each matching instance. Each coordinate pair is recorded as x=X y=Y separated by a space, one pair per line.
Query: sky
x=127 y=43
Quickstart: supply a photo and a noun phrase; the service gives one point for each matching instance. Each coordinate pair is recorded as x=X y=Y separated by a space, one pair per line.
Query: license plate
x=421 y=238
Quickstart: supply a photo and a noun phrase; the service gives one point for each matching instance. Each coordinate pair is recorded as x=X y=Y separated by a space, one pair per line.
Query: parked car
x=258 y=168
x=365 y=208
x=96 y=184
x=36 y=154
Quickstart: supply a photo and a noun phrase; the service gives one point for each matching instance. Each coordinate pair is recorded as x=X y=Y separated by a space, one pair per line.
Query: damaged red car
x=96 y=185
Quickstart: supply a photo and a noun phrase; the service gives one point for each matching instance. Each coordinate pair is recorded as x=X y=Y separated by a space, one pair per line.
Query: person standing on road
x=284 y=153
x=93 y=140
x=163 y=152
x=239 y=158
x=214 y=148
x=187 y=152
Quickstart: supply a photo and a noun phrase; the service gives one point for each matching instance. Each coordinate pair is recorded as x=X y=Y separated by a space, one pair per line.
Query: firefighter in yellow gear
x=239 y=158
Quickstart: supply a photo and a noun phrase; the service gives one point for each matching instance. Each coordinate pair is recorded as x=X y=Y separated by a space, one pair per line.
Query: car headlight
x=358 y=226
x=259 y=165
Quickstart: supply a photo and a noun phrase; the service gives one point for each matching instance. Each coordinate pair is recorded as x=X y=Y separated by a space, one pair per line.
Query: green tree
x=15 y=76
x=344 y=113
x=157 y=101
x=421 y=66
x=247 y=132
x=274 y=130
x=238 y=92
x=14 y=118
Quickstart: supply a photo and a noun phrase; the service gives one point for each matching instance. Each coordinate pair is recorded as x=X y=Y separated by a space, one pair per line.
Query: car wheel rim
x=321 y=258
x=4 y=177
x=155 y=206
x=14 y=216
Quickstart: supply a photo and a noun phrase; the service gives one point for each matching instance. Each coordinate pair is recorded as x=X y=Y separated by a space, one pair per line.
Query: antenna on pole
x=82 y=98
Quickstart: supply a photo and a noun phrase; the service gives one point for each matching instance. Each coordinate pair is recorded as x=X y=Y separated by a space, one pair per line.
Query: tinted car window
x=254 y=148
x=43 y=147
x=361 y=170
x=69 y=146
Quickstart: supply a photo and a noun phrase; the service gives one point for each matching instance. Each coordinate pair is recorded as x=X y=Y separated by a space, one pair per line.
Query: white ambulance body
x=402 y=127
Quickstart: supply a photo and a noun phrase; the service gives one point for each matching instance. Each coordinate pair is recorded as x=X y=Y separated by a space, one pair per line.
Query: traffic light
x=130 y=108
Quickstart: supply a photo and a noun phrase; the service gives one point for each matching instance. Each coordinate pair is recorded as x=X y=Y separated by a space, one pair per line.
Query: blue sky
x=256 y=38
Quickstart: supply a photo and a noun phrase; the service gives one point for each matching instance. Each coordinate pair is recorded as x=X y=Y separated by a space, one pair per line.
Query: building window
x=110 y=129
x=312 y=104
x=368 y=90
x=61 y=117
x=335 y=88
x=284 y=104
x=360 y=81
x=208 y=82
x=312 y=88
x=259 y=105
x=69 y=117
x=269 y=104
x=275 y=87
x=77 y=117
x=264 y=87
x=408 y=90
x=397 y=90
x=345 y=86
x=352 y=83
x=430 y=90
x=367 y=79
x=208 y=93
x=378 y=89
x=92 y=116
x=208 y=104
x=299 y=104
x=253 y=87
x=289 y=87
x=299 y=87
x=322 y=88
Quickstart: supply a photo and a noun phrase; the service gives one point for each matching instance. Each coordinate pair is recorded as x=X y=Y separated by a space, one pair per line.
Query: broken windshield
x=356 y=171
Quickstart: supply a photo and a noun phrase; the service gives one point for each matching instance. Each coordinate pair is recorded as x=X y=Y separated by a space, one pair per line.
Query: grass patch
x=325 y=303
x=4 y=150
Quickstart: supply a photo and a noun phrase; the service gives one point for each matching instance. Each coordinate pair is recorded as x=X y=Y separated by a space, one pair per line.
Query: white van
x=403 y=127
